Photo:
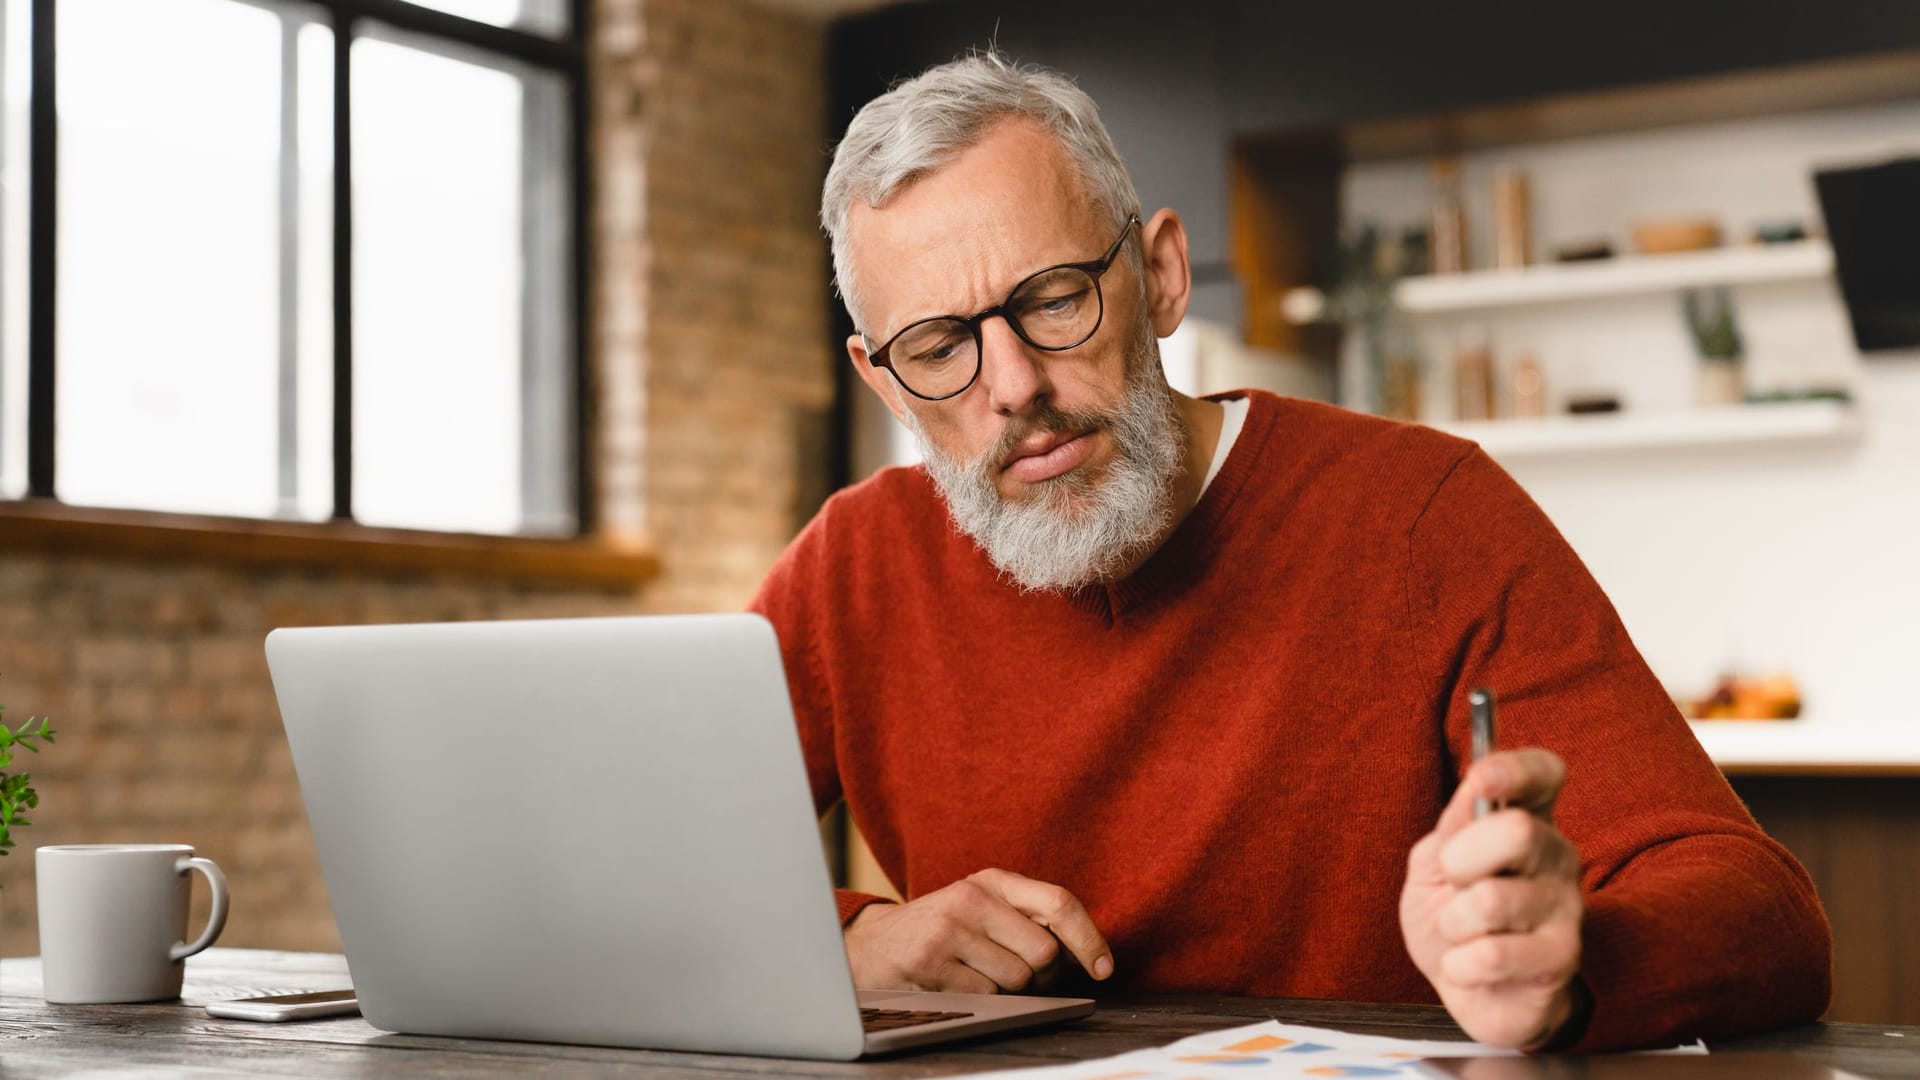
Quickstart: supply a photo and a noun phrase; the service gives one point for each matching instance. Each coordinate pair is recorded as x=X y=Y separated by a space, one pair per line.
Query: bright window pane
x=460 y=347
x=312 y=265
x=534 y=16
x=174 y=331
x=14 y=76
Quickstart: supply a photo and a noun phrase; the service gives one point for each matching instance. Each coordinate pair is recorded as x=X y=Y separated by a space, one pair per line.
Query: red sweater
x=1227 y=755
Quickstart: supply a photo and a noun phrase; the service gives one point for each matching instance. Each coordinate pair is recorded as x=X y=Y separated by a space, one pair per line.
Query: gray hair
x=923 y=123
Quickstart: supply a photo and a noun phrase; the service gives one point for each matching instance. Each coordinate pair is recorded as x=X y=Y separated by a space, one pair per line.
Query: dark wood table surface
x=38 y=1039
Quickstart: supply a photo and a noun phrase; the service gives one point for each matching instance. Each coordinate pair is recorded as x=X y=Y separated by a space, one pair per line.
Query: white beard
x=1073 y=530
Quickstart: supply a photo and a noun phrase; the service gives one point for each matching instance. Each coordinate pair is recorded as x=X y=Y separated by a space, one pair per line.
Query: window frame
x=563 y=56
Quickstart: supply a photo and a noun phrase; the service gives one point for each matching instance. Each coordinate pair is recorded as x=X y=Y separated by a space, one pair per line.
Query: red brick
x=226 y=661
x=112 y=660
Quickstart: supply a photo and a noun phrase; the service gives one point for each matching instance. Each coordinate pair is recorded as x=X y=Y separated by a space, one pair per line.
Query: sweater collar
x=1184 y=555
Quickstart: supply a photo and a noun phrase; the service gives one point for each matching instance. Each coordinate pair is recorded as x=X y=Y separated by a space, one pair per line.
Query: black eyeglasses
x=1055 y=309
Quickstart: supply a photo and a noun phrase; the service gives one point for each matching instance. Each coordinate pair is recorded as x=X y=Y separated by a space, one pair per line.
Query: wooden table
x=41 y=1039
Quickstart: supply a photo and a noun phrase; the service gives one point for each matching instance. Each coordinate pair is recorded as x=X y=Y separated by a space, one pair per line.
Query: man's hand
x=1491 y=909
x=991 y=931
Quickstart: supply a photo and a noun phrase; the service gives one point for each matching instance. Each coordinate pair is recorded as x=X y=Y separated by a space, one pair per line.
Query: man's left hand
x=1491 y=909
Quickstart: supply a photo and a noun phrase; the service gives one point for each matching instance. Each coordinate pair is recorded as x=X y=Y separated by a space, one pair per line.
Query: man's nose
x=1011 y=371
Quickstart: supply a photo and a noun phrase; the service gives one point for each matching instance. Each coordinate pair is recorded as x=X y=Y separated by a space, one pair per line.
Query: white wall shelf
x=1800 y=746
x=1624 y=275
x=1795 y=422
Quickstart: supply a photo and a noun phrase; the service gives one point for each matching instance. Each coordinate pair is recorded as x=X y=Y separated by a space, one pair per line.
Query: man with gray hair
x=1125 y=685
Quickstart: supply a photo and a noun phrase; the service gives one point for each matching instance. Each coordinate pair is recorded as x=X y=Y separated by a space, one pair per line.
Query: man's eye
x=937 y=355
x=1060 y=304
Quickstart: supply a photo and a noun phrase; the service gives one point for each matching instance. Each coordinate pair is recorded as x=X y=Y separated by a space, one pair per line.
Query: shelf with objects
x=1680 y=343
x=1623 y=275
x=1509 y=416
x=1809 y=422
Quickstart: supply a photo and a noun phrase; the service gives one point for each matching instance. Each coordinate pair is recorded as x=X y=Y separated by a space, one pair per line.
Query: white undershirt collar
x=1230 y=425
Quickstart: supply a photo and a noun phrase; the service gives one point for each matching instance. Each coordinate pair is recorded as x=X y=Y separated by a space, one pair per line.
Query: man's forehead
x=953 y=241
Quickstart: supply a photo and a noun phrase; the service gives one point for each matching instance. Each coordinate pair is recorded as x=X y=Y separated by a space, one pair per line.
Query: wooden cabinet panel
x=1859 y=838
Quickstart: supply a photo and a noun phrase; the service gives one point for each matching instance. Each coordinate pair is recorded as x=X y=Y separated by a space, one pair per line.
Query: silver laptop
x=586 y=831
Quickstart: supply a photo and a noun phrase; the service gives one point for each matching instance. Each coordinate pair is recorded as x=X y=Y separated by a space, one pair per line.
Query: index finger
x=1059 y=911
x=1529 y=778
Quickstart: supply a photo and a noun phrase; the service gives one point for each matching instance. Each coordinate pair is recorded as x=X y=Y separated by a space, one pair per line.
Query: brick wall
x=711 y=147
x=713 y=384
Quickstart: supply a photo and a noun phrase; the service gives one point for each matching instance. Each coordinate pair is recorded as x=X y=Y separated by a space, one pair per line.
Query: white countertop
x=1811 y=746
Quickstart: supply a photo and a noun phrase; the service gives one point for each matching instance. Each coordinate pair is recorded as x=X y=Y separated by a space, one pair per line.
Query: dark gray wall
x=1159 y=81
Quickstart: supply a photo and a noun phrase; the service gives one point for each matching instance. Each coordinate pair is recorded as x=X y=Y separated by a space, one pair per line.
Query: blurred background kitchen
x=367 y=310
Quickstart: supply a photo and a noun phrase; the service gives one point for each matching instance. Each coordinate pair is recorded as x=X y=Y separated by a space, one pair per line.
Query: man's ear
x=878 y=379
x=1163 y=240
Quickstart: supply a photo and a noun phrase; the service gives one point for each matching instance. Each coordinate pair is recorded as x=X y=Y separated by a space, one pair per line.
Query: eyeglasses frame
x=1096 y=269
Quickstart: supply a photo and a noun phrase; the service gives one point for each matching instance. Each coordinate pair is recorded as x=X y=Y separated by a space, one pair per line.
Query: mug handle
x=217 y=918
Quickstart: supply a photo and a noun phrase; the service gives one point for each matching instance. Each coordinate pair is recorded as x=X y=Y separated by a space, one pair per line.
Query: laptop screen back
x=593 y=831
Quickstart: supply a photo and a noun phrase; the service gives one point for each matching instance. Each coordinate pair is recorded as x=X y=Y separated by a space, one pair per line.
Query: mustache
x=1048 y=419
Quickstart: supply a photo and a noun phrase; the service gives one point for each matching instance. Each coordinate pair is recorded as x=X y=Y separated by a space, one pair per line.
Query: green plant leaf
x=16 y=791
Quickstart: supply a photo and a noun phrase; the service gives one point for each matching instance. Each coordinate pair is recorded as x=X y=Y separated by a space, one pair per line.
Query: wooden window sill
x=49 y=526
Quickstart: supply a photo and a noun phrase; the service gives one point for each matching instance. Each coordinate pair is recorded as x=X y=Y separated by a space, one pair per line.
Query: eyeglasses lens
x=1056 y=310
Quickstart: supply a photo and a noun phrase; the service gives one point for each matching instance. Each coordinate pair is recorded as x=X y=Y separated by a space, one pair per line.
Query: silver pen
x=1481 y=701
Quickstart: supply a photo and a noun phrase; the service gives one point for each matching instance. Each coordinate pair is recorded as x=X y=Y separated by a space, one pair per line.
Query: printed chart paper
x=1272 y=1049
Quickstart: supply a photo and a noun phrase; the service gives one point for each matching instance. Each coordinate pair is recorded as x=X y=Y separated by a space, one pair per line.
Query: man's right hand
x=988 y=932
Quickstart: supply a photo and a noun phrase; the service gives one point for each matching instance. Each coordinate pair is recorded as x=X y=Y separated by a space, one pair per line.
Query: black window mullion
x=343 y=26
x=585 y=424
x=42 y=216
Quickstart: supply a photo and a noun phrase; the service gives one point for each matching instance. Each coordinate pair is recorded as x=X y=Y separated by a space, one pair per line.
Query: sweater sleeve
x=788 y=599
x=1697 y=924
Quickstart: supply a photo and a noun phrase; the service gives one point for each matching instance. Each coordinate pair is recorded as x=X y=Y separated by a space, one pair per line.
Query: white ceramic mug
x=113 y=919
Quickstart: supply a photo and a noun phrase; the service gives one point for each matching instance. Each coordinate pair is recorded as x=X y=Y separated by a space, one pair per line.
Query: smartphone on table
x=287 y=1006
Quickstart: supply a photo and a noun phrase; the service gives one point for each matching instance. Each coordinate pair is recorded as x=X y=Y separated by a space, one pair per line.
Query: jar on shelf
x=1401 y=374
x=1512 y=221
x=1473 y=381
x=1449 y=240
x=1529 y=397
